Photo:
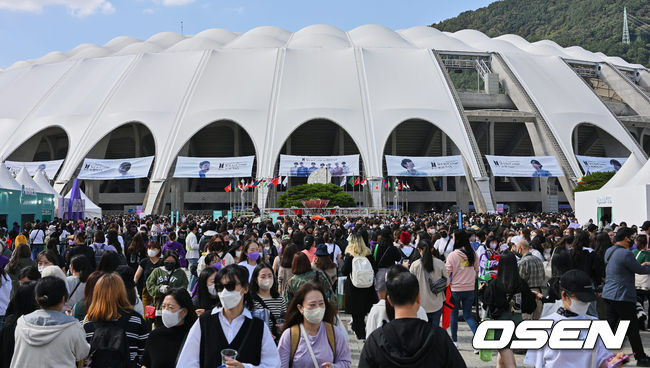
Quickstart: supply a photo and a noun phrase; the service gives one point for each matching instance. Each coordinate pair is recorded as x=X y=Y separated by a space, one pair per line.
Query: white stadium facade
x=324 y=91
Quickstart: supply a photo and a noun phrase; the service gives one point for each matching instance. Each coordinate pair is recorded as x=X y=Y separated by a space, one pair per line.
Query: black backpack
x=109 y=347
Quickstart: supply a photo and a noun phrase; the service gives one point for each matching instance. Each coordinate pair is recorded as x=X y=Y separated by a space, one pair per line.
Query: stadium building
x=324 y=91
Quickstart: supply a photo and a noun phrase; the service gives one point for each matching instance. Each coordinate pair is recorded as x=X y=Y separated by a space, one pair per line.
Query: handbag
x=150 y=311
x=437 y=286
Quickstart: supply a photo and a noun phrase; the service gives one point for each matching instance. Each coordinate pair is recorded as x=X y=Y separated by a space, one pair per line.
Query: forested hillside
x=596 y=25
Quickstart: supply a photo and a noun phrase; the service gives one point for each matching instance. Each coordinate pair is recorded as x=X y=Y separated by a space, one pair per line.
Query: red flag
x=228 y=188
x=386 y=184
x=356 y=182
x=364 y=181
x=275 y=182
x=399 y=186
x=240 y=186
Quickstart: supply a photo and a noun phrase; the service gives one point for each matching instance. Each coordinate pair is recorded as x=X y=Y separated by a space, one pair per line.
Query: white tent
x=7 y=180
x=41 y=180
x=92 y=210
x=23 y=178
x=626 y=197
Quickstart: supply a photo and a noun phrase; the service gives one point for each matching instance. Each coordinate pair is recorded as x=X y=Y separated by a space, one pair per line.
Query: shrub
x=295 y=195
x=594 y=181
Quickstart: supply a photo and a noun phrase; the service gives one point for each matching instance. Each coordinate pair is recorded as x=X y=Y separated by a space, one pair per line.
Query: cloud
x=77 y=8
x=148 y=11
x=174 y=2
x=238 y=10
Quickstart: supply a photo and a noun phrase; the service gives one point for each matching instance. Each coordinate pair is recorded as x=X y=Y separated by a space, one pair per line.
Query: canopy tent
x=625 y=197
x=7 y=180
x=92 y=210
x=41 y=180
x=23 y=178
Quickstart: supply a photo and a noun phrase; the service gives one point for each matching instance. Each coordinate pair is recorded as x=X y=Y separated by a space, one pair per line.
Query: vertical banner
x=425 y=166
x=216 y=215
x=123 y=168
x=591 y=164
x=524 y=166
x=305 y=165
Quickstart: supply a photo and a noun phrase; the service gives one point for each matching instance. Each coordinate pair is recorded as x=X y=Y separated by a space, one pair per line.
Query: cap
x=578 y=283
x=321 y=250
x=646 y=225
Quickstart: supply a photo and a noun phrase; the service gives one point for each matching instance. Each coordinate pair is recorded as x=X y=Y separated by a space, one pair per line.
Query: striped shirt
x=136 y=335
x=276 y=306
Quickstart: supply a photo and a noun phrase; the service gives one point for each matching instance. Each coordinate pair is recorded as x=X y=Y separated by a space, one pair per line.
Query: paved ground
x=465 y=346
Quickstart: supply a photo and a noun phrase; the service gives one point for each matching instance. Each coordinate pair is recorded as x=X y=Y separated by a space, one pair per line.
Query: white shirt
x=547 y=358
x=442 y=243
x=378 y=315
x=189 y=357
x=331 y=247
x=249 y=267
x=37 y=236
x=192 y=246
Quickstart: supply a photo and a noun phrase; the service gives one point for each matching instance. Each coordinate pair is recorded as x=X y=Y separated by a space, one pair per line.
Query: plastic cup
x=227 y=354
x=279 y=323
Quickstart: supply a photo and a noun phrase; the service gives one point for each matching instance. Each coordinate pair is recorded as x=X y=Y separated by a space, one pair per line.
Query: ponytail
x=427 y=258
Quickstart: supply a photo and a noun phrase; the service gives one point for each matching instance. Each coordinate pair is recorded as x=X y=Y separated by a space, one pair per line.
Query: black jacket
x=410 y=342
x=497 y=301
x=357 y=300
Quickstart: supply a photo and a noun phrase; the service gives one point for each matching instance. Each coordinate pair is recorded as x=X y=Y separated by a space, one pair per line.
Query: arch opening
x=590 y=140
x=49 y=144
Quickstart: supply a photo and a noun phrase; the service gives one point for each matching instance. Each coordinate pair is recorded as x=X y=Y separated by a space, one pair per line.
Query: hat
x=126 y=273
x=578 y=283
x=405 y=237
x=321 y=250
x=646 y=225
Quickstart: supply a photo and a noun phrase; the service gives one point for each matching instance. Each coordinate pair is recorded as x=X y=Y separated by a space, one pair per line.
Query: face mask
x=493 y=246
x=169 y=266
x=70 y=242
x=290 y=231
x=230 y=299
x=443 y=234
x=212 y=290
x=171 y=319
x=238 y=253
x=578 y=307
x=40 y=269
x=432 y=231
x=152 y=253
x=301 y=227
x=253 y=256
x=314 y=315
x=266 y=284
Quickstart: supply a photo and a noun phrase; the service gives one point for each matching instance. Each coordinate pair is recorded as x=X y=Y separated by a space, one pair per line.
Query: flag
x=356 y=182
x=351 y=181
x=387 y=184
x=275 y=182
x=240 y=186
x=342 y=183
x=256 y=183
x=399 y=186
x=364 y=181
x=228 y=188
x=407 y=185
x=285 y=182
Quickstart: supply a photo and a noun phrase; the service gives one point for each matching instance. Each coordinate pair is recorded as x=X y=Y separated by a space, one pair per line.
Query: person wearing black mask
x=619 y=292
x=169 y=276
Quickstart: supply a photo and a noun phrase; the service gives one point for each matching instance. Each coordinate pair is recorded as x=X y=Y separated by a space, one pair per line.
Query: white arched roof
x=270 y=81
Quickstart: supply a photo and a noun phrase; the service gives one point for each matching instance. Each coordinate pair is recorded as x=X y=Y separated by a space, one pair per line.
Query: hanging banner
x=524 y=166
x=305 y=165
x=425 y=166
x=50 y=167
x=122 y=168
x=591 y=164
x=214 y=167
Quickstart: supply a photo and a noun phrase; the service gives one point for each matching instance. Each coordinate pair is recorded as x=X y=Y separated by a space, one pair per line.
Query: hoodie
x=410 y=343
x=47 y=338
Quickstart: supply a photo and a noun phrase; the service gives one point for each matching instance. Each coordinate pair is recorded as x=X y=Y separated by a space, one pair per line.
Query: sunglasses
x=230 y=286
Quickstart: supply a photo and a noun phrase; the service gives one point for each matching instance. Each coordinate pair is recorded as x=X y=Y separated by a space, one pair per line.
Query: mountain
x=596 y=25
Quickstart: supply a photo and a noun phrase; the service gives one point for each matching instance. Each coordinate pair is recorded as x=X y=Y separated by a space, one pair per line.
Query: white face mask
x=266 y=284
x=40 y=269
x=230 y=299
x=314 y=315
x=238 y=253
x=212 y=290
x=578 y=307
x=171 y=319
x=152 y=252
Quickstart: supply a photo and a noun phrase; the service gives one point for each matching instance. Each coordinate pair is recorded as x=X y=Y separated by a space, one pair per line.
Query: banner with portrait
x=425 y=166
x=591 y=164
x=524 y=166
x=50 y=167
x=214 y=167
x=291 y=165
x=116 y=169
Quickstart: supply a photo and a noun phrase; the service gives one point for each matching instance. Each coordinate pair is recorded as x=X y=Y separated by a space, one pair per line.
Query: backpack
x=295 y=340
x=362 y=275
x=99 y=252
x=109 y=348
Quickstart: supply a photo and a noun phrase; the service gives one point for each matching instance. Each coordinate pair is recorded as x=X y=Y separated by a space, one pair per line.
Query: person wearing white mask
x=310 y=339
x=266 y=298
x=577 y=292
x=165 y=342
x=230 y=327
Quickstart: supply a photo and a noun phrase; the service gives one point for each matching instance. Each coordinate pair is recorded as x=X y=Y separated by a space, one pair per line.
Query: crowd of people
x=203 y=292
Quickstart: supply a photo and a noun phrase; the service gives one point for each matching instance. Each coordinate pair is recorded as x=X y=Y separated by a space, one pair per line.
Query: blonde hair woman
x=359 y=298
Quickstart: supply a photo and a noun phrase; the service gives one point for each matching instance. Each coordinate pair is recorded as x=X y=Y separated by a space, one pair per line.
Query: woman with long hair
x=284 y=268
x=358 y=300
x=206 y=293
x=250 y=256
x=386 y=254
x=79 y=272
x=324 y=262
x=220 y=329
x=110 y=306
x=310 y=319
x=302 y=274
x=265 y=296
x=24 y=302
x=20 y=258
x=430 y=271
x=137 y=250
x=145 y=268
x=80 y=309
x=164 y=343
x=47 y=337
x=506 y=298
x=462 y=268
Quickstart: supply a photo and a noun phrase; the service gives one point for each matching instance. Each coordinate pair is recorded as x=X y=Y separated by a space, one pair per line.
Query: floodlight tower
x=626 y=31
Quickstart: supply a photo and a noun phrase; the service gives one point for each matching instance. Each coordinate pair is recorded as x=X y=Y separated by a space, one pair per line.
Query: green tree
x=594 y=181
x=295 y=195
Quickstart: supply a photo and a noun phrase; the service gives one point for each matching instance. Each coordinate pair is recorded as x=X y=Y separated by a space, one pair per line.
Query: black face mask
x=170 y=265
x=443 y=234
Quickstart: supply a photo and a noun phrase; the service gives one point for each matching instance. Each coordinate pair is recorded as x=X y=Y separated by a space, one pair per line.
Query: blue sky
x=32 y=28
